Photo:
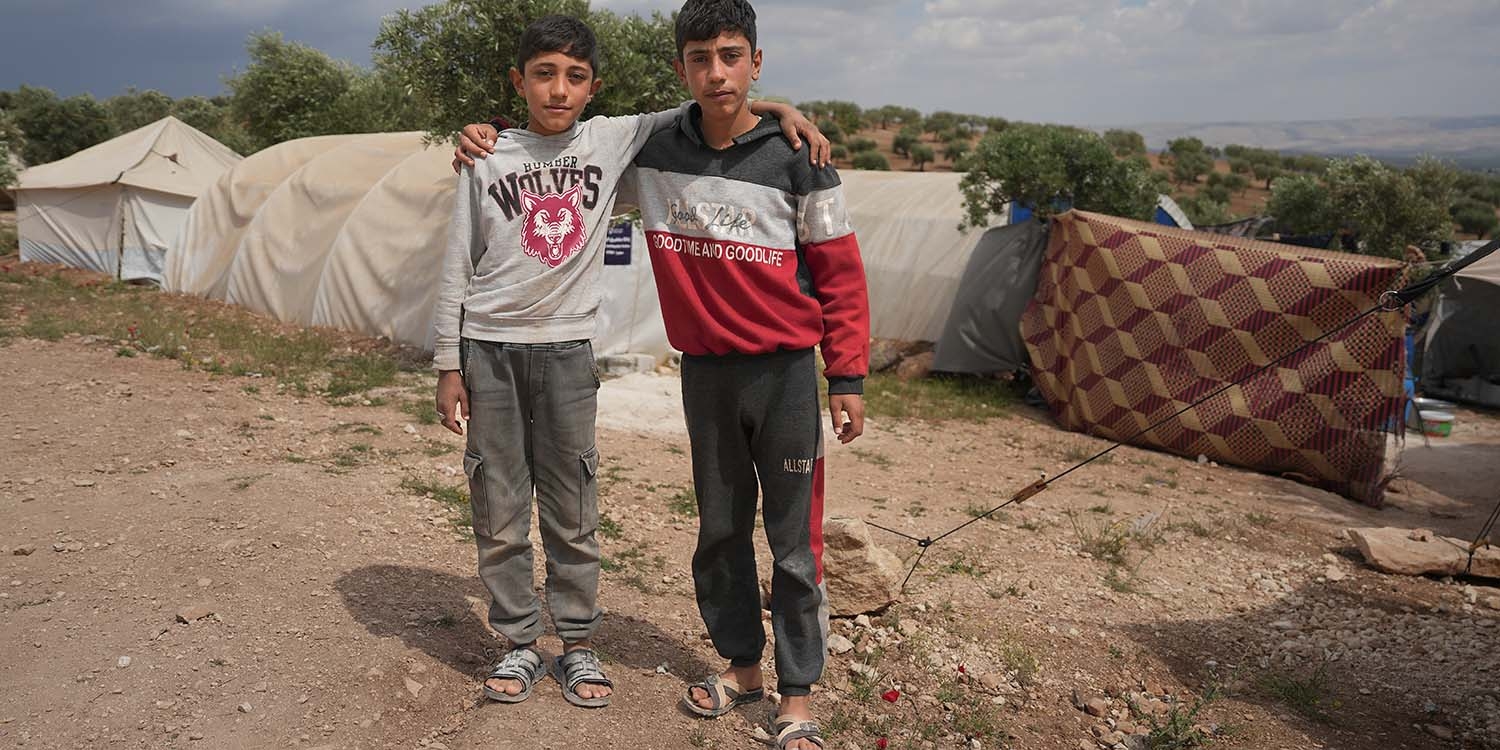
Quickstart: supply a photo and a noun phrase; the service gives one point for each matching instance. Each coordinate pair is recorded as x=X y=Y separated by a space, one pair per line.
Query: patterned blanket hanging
x=1133 y=321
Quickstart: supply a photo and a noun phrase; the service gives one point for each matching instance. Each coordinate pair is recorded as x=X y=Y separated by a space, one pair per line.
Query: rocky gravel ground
x=203 y=561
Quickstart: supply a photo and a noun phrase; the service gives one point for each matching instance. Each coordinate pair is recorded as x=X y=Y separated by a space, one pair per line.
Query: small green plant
x=609 y=528
x=676 y=450
x=684 y=503
x=961 y=566
x=124 y=351
x=871 y=457
x=1179 y=729
x=422 y=411
x=43 y=326
x=916 y=510
x=1192 y=526
x=1120 y=580
x=1305 y=695
x=1103 y=510
x=1260 y=520
x=246 y=482
x=1019 y=659
x=1115 y=652
x=452 y=496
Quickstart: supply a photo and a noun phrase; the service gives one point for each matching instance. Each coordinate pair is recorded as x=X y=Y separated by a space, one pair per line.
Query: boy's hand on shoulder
x=797 y=128
x=848 y=410
x=474 y=142
x=452 y=400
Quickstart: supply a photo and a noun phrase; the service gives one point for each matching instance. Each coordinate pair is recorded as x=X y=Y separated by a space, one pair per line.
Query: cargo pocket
x=479 y=503
x=588 y=492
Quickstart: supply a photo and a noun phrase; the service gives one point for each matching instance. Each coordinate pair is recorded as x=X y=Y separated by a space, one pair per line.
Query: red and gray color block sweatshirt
x=752 y=249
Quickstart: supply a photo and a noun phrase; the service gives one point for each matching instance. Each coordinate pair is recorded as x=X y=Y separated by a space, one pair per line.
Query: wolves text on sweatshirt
x=526 y=245
x=752 y=249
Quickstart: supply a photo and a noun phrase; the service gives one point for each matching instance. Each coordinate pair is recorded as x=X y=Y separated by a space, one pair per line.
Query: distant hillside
x=1471 y=142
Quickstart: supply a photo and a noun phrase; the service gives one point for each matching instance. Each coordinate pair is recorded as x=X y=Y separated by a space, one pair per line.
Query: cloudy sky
x=1076 y=61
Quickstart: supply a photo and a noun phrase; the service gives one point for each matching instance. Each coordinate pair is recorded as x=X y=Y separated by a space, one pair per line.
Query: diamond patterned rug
x=1133 y=321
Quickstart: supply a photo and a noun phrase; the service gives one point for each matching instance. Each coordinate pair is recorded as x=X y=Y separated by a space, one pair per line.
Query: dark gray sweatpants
x=755 y=425
x=531 y=434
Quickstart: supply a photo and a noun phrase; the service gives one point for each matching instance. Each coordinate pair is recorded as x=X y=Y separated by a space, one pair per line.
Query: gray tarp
x=1461 y=347
x=983 y=333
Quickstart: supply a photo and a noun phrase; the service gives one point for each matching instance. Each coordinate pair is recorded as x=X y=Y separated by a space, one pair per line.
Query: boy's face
x=556 y=88
x=719 y=72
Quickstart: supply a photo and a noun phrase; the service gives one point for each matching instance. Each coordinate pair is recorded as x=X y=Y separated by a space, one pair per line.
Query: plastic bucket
x=1437 y=423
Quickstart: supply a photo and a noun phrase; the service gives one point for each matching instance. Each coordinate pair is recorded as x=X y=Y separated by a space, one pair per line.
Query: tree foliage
x=1386 y=208
x=956 y=149
x=1475 y=217
x=1049 y=168
x=872 y=160
x=137 y=109
x=55 y=128
x=453 y=59
x=903 y=142
x=847 y=115
x=1189 y=160
x=1125 y=142
x=922 y=155
x=858 y=145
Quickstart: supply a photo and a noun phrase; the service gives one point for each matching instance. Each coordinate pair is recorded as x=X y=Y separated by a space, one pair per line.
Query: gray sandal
x=581 y=667
x=524 y=665
x=787 y=731
x=724 y=694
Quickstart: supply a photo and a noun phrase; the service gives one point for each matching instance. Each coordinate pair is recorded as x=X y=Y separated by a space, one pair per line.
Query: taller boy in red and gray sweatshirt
x=755 y=264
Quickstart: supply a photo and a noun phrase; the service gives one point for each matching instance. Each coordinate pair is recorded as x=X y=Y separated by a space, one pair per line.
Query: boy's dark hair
x=556 y=33
x=705 y=19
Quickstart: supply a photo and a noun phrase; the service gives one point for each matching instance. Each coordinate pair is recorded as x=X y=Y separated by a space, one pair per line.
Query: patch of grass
x=1307 y=696
x=967 y=399
x=455 y=497
x=1170 y=484
x=125 y=352
x=1110 y=541
x=1179 y=729
x=979 y=511
x=1260 y=520
x=357 y=373
x=962 y=566
x=1019 y=659
x=1103 y=510
x=1032 y=524
x=1192 y=526
x=871 y=457
x=202 y=335
x=916 y=510
x=684 y=503
x=436 y=448
x=609 y=528
x=44 y=326
x=246 y=482
x=424 y=412
x=676 y=450
x=1115 y=652
x=360 y=428
x=1121 y=580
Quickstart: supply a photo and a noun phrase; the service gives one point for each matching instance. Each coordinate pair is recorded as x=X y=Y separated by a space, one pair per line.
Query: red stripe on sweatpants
x=815 y=516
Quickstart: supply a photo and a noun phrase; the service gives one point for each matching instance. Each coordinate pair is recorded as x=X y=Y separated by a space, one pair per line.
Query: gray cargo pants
x=531 y=434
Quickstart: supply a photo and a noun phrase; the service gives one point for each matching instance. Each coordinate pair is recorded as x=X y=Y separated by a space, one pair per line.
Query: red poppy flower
x=881 y=743
x=961 y=669
x=891 y=696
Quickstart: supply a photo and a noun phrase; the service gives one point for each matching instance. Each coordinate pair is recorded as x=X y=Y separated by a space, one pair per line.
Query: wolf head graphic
x=553 y=229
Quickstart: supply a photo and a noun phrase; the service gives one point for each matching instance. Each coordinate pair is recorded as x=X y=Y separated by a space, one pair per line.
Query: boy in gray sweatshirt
x=520 y=290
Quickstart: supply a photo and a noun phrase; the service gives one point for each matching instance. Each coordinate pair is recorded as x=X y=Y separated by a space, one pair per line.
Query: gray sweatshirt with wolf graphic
x=526 y=245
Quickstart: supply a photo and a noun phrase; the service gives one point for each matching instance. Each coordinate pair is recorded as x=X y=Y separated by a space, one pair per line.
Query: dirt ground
x=342 y=609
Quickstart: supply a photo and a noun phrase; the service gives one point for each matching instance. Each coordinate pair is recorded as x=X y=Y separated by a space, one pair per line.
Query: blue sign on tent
x=617 y=245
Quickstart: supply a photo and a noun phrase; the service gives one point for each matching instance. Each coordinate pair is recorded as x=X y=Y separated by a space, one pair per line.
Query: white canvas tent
x=915 y=255
x=116 y=206
x=348 y=231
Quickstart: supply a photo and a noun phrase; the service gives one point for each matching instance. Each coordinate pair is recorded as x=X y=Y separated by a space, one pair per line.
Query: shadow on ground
x=431 y=611
x=1424 y=667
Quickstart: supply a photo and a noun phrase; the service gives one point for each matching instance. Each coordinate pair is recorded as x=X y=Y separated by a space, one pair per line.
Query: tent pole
x=120 y=254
